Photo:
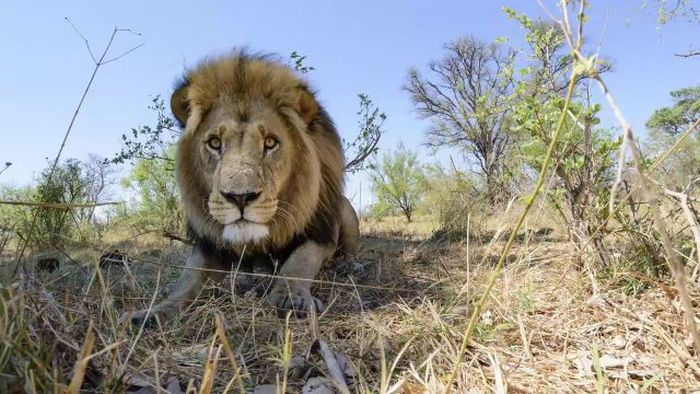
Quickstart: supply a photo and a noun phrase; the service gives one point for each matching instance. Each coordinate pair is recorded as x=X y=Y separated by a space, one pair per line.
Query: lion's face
x=257 y=157
x=246 y=164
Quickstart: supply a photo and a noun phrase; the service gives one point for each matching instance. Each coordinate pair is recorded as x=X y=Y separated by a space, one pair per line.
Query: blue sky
x=360 y=46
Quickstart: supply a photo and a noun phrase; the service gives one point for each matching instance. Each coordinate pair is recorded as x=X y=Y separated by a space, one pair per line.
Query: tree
x=14 y=219
x=399 y=180
x=465 y=96
x=665 y=124
x=677 y=118
x=99 y=175
x=667 y=11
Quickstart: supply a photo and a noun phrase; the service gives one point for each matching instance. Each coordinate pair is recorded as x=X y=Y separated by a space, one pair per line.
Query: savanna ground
x=395 y=319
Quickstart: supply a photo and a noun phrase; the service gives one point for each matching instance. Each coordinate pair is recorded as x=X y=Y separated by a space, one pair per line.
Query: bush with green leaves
x=455 y=199
x=48 y=225
x=399 y=181
x=583 y=160
x=156 y=204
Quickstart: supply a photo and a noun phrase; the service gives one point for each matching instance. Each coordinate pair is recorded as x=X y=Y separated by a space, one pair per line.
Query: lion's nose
x=241 y=199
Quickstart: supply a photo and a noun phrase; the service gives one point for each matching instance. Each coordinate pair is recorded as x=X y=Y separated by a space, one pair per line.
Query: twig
x=123 y=54
x=81 y=363
x=176 y=237
x=287 y=278
x=87 y=43
x=688 y=54
x=689 y=217
x=476 y=313
x=59 y=205
x=675 y=264
x=7 y=165
x=49 y=178
x=337 y=375
x=221 y=332
x=141 y=327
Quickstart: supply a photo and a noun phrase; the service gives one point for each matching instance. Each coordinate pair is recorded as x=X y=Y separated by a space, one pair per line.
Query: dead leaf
x=607 y=361
x=193 y=356
x=583 y=363
x=619 y=342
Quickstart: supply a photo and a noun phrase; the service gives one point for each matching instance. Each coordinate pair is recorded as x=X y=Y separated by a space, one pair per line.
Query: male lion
x=260 y=169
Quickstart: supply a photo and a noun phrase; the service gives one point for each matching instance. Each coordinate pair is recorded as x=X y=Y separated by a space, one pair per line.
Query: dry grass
x=397 y=313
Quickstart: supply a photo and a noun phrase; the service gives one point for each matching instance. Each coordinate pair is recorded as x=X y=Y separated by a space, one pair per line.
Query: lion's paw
x=293 y=297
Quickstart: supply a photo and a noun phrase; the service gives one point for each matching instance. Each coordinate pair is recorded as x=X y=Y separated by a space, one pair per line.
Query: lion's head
x=259 y=157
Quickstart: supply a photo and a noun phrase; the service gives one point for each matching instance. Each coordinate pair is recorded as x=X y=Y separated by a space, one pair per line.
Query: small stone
x=318 y=385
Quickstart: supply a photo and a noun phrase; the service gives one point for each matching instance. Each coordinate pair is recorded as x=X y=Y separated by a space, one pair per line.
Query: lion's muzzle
x=241 y=200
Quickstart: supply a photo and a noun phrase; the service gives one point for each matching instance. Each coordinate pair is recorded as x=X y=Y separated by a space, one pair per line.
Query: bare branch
x=49 y=178
x=125 y=30
x=464 y=96
x=59 y=206
x=87 y=43
x=690 y=216
x=688 y=54
x=7 y=165
x=123 y=54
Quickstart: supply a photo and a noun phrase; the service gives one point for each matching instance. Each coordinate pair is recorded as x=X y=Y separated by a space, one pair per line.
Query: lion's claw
x=148 y=318
x=295 y=298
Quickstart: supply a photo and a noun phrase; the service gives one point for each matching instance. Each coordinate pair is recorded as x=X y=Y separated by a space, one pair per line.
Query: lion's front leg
x=303 y=263
x=187 y=288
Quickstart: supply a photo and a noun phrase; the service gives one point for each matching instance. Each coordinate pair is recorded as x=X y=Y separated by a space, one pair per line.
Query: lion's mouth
x=243 y=231
x=243 y=221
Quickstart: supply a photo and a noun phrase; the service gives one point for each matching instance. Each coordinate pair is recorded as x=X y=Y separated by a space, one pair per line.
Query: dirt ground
x=394 y=322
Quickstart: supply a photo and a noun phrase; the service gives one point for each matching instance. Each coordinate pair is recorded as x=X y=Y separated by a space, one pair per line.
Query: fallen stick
x=337 y=375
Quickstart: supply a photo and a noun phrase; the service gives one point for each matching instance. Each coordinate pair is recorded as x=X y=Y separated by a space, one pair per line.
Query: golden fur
x=260 y=169
x=251 y=89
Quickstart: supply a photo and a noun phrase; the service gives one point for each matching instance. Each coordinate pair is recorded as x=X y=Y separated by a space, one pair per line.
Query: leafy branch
x=365 y=143
x=150 y=142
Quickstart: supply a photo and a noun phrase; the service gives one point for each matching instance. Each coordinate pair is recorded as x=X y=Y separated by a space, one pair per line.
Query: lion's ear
x=179 y=104
x=307 y=107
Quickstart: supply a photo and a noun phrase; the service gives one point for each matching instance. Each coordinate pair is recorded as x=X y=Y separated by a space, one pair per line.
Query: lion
x=260 y=169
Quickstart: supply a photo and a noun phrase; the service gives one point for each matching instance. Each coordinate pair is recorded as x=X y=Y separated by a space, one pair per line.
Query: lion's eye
x=214 y=143
x=270 y=143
